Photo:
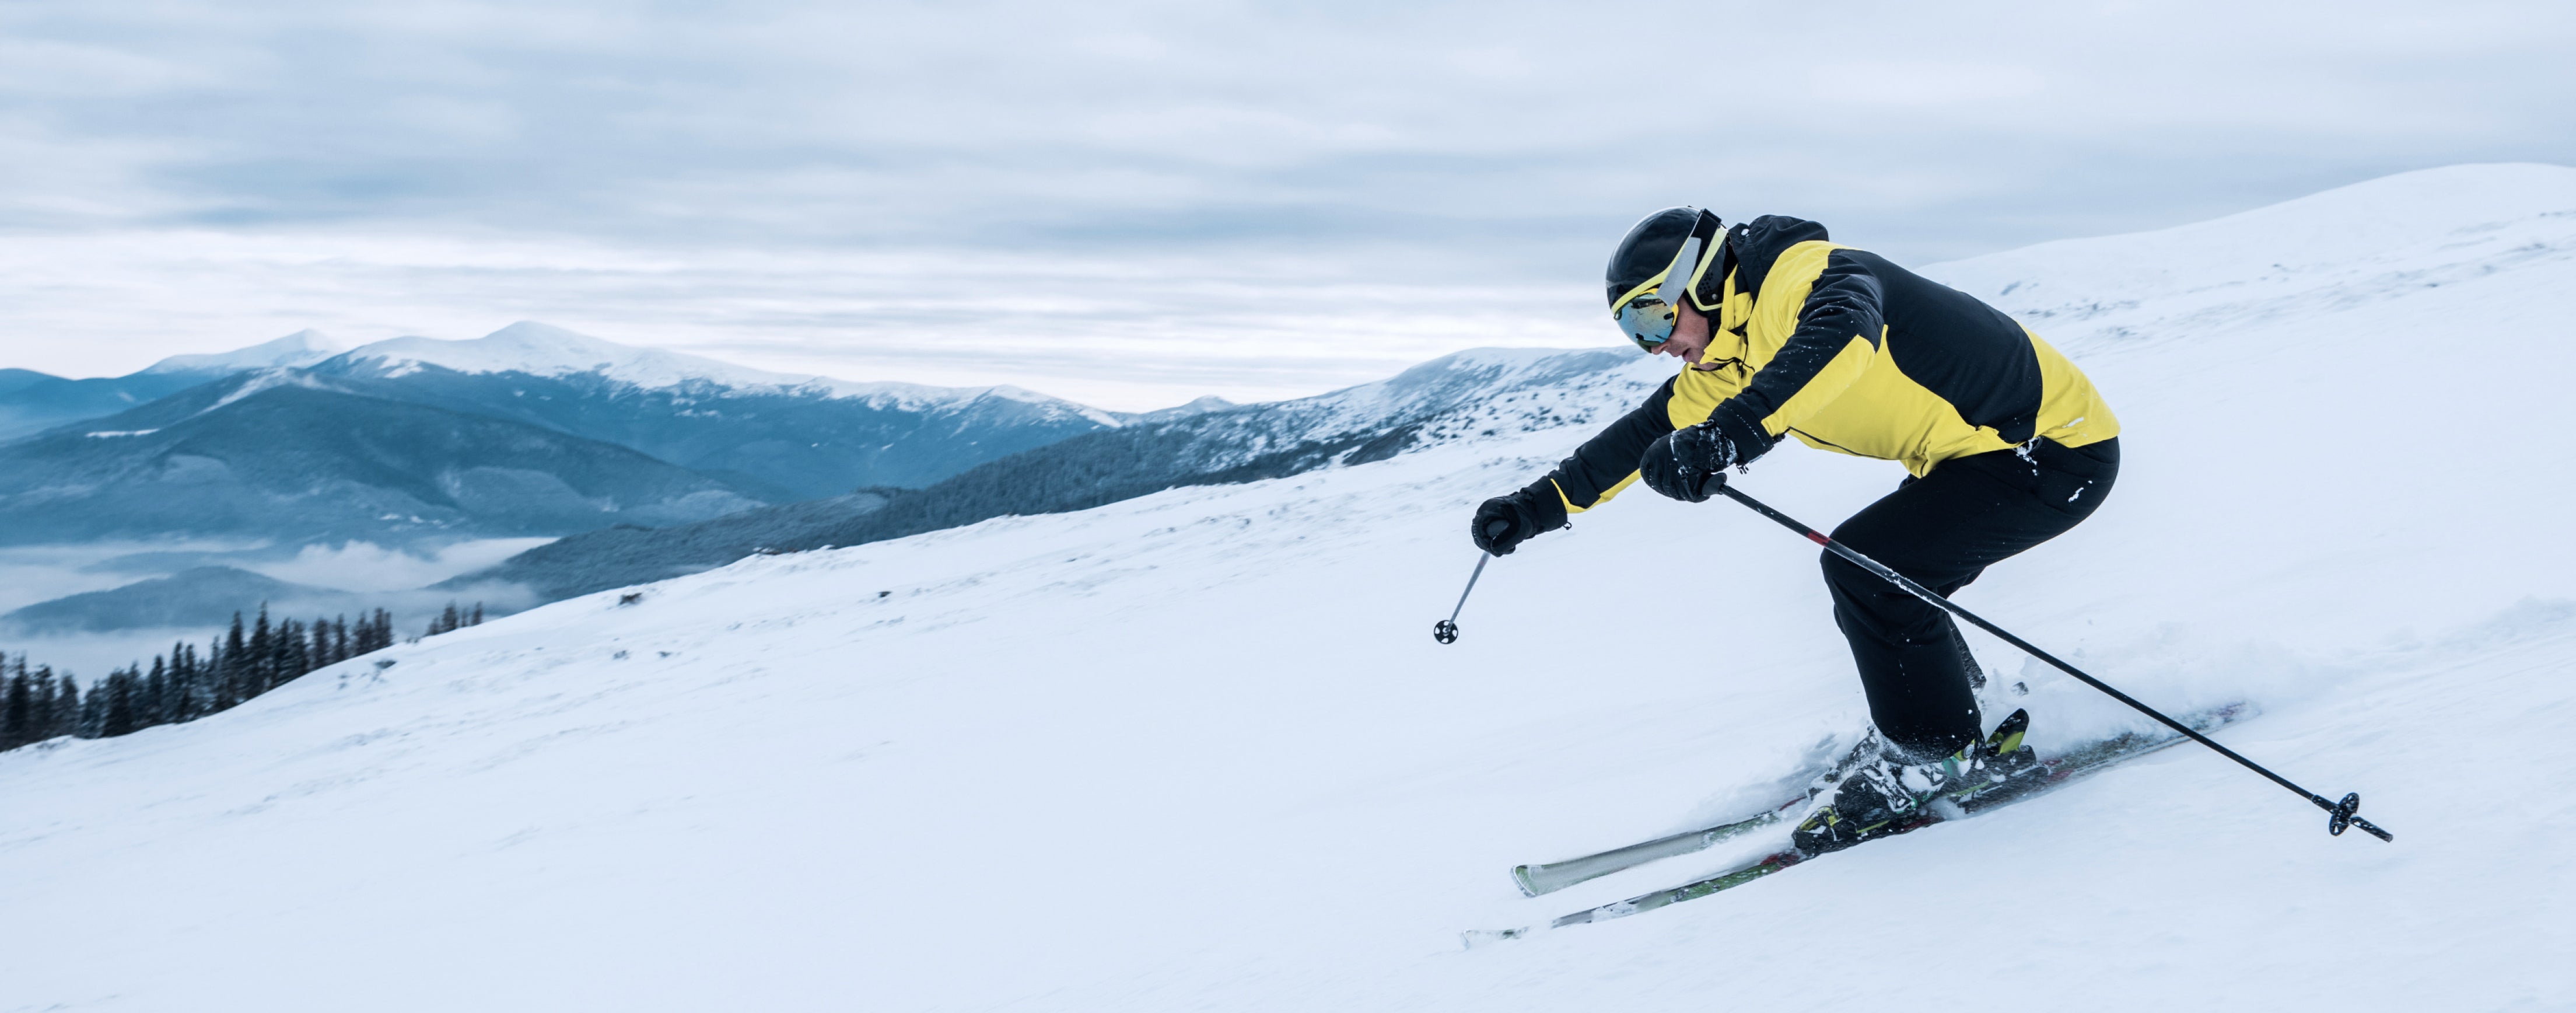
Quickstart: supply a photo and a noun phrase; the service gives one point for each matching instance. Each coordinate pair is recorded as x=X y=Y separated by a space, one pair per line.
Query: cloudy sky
x=1136 y=203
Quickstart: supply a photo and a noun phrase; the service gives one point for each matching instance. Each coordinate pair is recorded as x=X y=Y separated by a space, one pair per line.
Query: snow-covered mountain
x=1195 y=750
x=302 y=348
x=808 y=436
x=695 y=426
x=32 y=402
x=537 y=349
x=792 y=436
x=1469 y=395
x=280 y=455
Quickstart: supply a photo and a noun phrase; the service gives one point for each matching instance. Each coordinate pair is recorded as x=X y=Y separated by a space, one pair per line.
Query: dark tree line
x=453 y=620
x=185 y=684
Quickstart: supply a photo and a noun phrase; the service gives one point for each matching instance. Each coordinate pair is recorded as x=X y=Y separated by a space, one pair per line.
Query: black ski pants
x=1942 y=530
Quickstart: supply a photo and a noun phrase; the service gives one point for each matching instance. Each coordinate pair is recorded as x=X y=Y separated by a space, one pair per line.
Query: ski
x=1548 y=877
x=2046 y=776
x=1553 y=876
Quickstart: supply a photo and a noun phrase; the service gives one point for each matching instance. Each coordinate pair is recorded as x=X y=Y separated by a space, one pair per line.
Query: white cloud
x=366 y=566
x=1165 y=199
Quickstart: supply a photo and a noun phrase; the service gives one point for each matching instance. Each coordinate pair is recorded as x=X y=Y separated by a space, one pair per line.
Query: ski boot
x=1886 y=794
x=1862 y=754
x=2000 y=760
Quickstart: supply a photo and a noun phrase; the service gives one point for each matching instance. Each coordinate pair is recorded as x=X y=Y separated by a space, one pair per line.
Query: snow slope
x=1197 y=751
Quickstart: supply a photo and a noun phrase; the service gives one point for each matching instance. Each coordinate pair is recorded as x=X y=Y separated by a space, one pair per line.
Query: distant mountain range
x=32 y=402
x=268 y=454
x=532 y=429
x=807 y=437
x=1470 y=394
x=656 y=464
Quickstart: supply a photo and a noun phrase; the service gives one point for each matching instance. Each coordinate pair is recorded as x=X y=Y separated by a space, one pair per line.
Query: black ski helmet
x=1651 y=246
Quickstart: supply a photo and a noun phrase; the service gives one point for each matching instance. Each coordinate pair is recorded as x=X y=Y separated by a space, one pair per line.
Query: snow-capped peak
x=546 y=350
x=302 y=348
x=540 y=349
x=1200 y=406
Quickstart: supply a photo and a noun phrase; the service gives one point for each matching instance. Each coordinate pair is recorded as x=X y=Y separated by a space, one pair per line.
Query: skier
x=1782 y=332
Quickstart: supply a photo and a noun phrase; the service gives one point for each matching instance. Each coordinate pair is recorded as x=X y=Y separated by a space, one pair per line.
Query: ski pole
x=2338 y=814
x=1446 y=630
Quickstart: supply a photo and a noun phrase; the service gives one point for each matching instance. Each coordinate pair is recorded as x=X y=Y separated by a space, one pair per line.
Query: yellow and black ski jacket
x=1849 y=353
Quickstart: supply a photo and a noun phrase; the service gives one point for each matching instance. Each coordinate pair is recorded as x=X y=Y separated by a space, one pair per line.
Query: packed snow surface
x=1198 y=750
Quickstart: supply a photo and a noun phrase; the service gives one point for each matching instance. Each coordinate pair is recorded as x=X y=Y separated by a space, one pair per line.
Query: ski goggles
x=1648 y=313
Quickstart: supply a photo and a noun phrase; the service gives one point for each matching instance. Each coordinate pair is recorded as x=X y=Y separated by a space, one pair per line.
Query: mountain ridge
x=770 y=437
x=302 y=348
x=1463 y=395
x=540 y=349
x=209 y=462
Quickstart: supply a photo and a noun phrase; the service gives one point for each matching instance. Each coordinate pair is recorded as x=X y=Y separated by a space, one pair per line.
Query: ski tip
x=1521 y=876
x=1473 y=938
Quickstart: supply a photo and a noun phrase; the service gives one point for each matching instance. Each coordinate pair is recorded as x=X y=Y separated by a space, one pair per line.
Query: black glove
x=1689 y=464
x=1504 y=522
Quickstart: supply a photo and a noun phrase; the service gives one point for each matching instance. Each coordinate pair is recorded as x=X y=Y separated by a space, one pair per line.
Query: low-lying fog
x=90 y=636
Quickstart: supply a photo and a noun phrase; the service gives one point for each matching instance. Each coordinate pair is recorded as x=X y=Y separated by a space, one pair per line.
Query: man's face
x=1690 y=335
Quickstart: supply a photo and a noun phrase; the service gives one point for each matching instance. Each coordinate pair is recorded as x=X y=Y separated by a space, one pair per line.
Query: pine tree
x=89 y=712
x=226 y=657
x=212 y=677
x=183 y=682
x=261 y=671
x=114 y=702
x=17 y=706
x=290 y=661
x=67 y=706
x=46 y=713
x=306 y=658
x=156 y=694
x=477 y=619
x=375 y=633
